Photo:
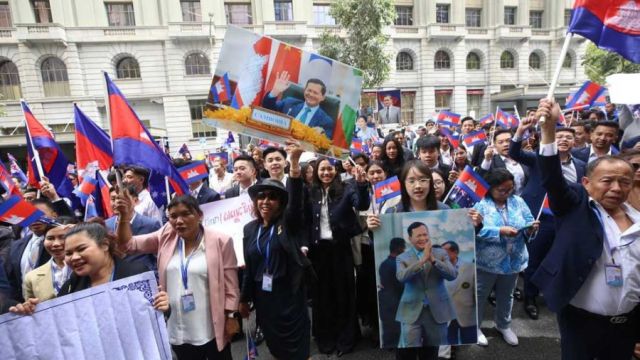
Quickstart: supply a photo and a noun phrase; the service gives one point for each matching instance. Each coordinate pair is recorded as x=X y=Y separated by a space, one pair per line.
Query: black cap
x=272 y=185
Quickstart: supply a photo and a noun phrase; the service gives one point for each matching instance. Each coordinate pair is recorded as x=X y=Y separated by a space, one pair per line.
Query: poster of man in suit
x=432 y=301
x=389 y=105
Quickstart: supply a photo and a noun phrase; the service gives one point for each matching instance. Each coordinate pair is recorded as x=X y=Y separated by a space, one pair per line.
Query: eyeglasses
x=422 y=181
x=438 y=183
x=504 y=191
x=262 y=195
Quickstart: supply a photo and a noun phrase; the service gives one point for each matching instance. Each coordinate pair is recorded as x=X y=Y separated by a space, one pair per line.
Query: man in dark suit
x=5 y=291
x=201 y=192
x=244 y=175
x=389 y=295
x=603 y=136
x=534 y=193
x=308 y=111
x=590 y=275
x=428 y=149
x=496 y=156
x=28 y=253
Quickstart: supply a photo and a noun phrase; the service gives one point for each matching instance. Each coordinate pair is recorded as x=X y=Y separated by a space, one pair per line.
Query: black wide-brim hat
x=271 y=185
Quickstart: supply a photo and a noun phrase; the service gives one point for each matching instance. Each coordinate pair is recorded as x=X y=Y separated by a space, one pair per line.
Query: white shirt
x=26 y=263
x=60 y=275
x=569 y=170
x=325 y=227
x=514 y=168
x=146 y=206
x=220 y=186
x=245 y=190
x=446 y=157
x=592 y=154
x=193 y=327
x=196 y=191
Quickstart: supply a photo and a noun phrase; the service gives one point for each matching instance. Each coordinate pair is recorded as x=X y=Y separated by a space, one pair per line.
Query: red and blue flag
x=90 y=210
x=487 y=119
x=468 y=189
x=252 y=349
x=224 y=156
x=195 y=171
x=448 y=118
x=356 y=145
x=16 y=171
x=221 y=89
x=506 y=120
x=453 y=140
x=474 y=138
x=7 y=182
x=40 y=142
x=387 y=189
x=611 y=25
x=93 y=145
x=590 y=94
x=17 y=211
x=86 y=188
x=184 y=149
x=133 y=144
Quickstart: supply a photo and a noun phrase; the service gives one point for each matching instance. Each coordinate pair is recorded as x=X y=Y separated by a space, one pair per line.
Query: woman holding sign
x=273 y=277
x=198 y=268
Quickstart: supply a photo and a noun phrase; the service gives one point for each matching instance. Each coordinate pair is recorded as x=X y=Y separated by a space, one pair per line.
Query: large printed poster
x=425 y=272
x=269 y=89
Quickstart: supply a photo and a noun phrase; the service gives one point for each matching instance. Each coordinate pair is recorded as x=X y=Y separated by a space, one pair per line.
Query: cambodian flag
x=184 y=149
x=453 y=140
x=230 y=139
x=132 y=143
x=221 y=90
x=612 y=25
x=546 y=208
x=356 y=145
x=15 y=169
x=7 y=182
x=224 y=156
x=586 y=96
x=93 y=145
x=17 y=211
x=266 y=144
x=468 y=189
x=487 y=119
x=90 y=209
x=54 y=163
x=506 y=120
x=449 y=119
x=195 y=171
x=474 y=138
x=87 y=187
x=387 y=189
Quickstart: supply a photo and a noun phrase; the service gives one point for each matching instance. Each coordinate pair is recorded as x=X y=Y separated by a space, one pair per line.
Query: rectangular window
x=407 y=111
x=473 y=17
x=567 y=17
x=535 y=19
x=198 y=128
x=443 y=99
x=474 y=103
x=321 y=15
x=191 y=11
x=510 y=13
x=283 y=10
x=404 y=15
x=5 y=15
x=442 y=13
x=120 y=14
x=238 y=14
x=42 y=11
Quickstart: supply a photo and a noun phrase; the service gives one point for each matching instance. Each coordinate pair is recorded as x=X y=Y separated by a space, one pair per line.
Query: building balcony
x=511 y=32
x=318 y=30
x=41 y=33
x=446 y=31
x=286 y=29
x=7 y=35
x=541 y=34
x=190 y=30
x=478 y=33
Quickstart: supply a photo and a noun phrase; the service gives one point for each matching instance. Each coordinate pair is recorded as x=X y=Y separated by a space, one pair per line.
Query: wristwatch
x=231 y=315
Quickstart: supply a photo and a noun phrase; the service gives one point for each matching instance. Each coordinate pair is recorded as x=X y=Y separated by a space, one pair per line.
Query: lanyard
x=184 y=264
x=604 y=231
x=267 y=247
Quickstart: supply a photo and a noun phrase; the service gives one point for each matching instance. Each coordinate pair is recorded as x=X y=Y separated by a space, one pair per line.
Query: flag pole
x=167 y=189
x=495 y=123
x=36 y=153
x=107 y=107
x=556 y=75
x=541 y=208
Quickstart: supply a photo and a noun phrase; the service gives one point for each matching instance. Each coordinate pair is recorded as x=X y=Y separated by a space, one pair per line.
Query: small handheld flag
x=448 y=118
x=194 y=171
x=17 y=211
x=221 y=90
x=487 y=119
x=7 y=182
x=15 y=169
x=585 y=97
x=387 y=189
x=90 y=210
x=356 y=145
x=475 y=138
x=468 y=189
x=453 y=140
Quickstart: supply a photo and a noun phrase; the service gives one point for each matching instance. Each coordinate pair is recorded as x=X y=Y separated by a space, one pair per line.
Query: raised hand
x=281 y=84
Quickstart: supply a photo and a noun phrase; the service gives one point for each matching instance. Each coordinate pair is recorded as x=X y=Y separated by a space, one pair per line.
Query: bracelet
x=231 y=315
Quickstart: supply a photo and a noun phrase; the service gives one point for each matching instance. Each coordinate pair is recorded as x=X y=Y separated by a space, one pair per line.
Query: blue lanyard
x=267 y=246
x=184 y=265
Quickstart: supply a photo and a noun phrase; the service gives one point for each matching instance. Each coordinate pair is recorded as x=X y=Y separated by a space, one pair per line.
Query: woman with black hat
x=275 y=263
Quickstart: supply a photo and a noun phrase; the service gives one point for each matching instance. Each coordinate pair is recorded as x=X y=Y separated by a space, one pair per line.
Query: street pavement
x=539 y=340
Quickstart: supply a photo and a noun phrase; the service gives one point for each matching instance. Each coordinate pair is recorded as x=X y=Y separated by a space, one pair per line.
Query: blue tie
x=305 y=113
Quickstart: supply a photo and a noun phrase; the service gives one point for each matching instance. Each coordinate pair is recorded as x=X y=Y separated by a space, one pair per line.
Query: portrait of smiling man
x=306 y=111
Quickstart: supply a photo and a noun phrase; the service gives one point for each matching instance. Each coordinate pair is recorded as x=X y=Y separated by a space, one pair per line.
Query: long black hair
x=335 y=189
x=392 y=167
x=432 y=202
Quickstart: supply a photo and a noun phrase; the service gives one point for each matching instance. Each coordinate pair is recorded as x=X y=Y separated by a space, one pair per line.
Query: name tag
x=188 y=302
x=267 y=282
x=613 y=275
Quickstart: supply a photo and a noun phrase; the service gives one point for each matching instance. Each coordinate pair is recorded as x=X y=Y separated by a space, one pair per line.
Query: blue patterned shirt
x=500 y=254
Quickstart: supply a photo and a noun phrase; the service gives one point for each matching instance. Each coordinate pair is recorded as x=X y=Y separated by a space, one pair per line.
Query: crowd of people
x=311 y=243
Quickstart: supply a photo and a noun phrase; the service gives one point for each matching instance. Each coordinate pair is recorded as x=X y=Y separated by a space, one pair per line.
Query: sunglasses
x=262 y=195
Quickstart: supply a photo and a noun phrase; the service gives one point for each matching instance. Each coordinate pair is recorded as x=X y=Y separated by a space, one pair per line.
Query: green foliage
x=600 y=63
x=364 y=44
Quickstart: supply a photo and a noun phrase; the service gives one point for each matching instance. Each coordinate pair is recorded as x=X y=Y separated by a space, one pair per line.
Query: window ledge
x=198 y=75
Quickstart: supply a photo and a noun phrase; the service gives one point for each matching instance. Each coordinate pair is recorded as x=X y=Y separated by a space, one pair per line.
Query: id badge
x=188 y=302
x=613 y=275
x=267 y=282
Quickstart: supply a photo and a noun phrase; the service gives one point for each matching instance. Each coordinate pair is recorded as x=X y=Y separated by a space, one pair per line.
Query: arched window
x=404 y=61
x=128 y=68
x=442 y=60
x=473 y=61
x=196 y=64
x=568 y=62
x=9 y=81
x=534 y=61
x=507 y=60
x=54 y=77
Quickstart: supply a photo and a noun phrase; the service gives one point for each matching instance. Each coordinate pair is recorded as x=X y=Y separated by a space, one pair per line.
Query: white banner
x=111 y=321
x=230 y=216
x=623 y=88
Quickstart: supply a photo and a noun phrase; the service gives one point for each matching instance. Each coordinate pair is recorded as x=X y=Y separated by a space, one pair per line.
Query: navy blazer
x=13 y=268
x=578 y=242
x=292 y=106
x=533 y=192
x=583 y=153
x=5 y=291
x=207 y=195
x=498 y=163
